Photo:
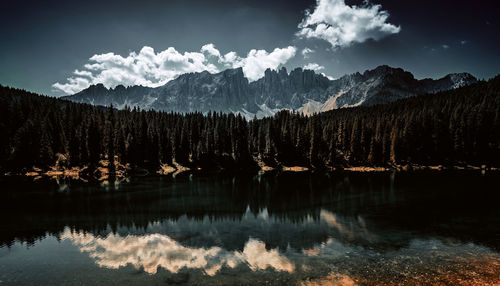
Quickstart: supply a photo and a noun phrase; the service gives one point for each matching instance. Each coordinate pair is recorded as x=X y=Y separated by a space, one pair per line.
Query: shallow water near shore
x=278 y=228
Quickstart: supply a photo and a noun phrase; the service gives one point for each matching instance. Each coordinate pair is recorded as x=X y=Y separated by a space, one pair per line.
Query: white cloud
x=74 y=84
x=342 y=25
x=306 y=52
x=149 y=68
x=83 y=73
x=257 y=61
x=313 y=66
x=327 y=76
x=463 y=42
x=211 y=50
x=445 y=47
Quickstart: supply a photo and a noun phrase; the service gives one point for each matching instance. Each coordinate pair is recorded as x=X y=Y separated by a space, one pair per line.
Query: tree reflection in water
x=311 y=228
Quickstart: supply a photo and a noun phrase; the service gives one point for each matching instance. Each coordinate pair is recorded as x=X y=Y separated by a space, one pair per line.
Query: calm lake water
x=237 y=229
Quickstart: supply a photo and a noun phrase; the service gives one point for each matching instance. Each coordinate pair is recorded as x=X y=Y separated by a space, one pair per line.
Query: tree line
x=455 y=127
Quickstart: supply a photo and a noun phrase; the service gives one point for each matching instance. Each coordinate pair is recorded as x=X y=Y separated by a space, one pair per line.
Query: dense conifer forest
x=453 y=128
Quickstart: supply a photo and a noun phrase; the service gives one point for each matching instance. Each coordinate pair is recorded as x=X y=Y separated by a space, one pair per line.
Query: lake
x=275 y=228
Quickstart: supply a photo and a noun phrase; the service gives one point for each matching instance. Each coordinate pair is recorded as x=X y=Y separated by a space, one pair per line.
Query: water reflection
x=148 y=252
x=376 y=210
x=308 y=228
x=158 y=245
x=354 y=229
x=423 y=261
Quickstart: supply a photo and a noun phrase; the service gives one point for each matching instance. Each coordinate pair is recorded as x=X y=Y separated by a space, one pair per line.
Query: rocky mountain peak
x=96 y=87
x=461 y=79
x=387 y=71
x=283 y=72
x=120 y=88
x=237 y=72
x=231 y=91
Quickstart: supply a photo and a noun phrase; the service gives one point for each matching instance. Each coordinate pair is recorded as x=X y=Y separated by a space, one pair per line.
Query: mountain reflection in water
x=151 y=251
x=276 y=228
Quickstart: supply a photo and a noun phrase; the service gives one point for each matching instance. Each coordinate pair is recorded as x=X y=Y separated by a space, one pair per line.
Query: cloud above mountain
x=150 y=68
x=314 y=67
x=331 y=20
x=306 y=51
x=257 y=61
x=342 y=25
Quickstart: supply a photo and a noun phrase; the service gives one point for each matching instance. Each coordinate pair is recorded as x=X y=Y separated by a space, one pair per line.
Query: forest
x=453 y=128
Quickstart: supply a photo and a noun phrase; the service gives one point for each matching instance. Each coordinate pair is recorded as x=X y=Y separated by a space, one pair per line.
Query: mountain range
x=300 y=90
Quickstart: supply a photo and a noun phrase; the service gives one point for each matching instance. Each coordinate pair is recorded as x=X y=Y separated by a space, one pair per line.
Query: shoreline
x=165 y=169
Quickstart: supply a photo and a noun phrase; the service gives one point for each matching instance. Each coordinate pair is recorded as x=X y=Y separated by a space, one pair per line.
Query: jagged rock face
x=119 y=97
x=451 y=81
x=385 y=84
x=302 y=90
x=378 y=86
x=280 y=90
x=226 y=91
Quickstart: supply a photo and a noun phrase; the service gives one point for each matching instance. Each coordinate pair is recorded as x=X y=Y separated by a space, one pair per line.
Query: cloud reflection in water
x=157 y=250
x=152 y=250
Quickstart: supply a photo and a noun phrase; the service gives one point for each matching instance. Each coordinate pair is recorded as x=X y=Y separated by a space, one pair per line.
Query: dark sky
x=43 y=42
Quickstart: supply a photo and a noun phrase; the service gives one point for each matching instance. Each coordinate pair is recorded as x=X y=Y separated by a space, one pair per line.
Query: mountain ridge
x=301 y=90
